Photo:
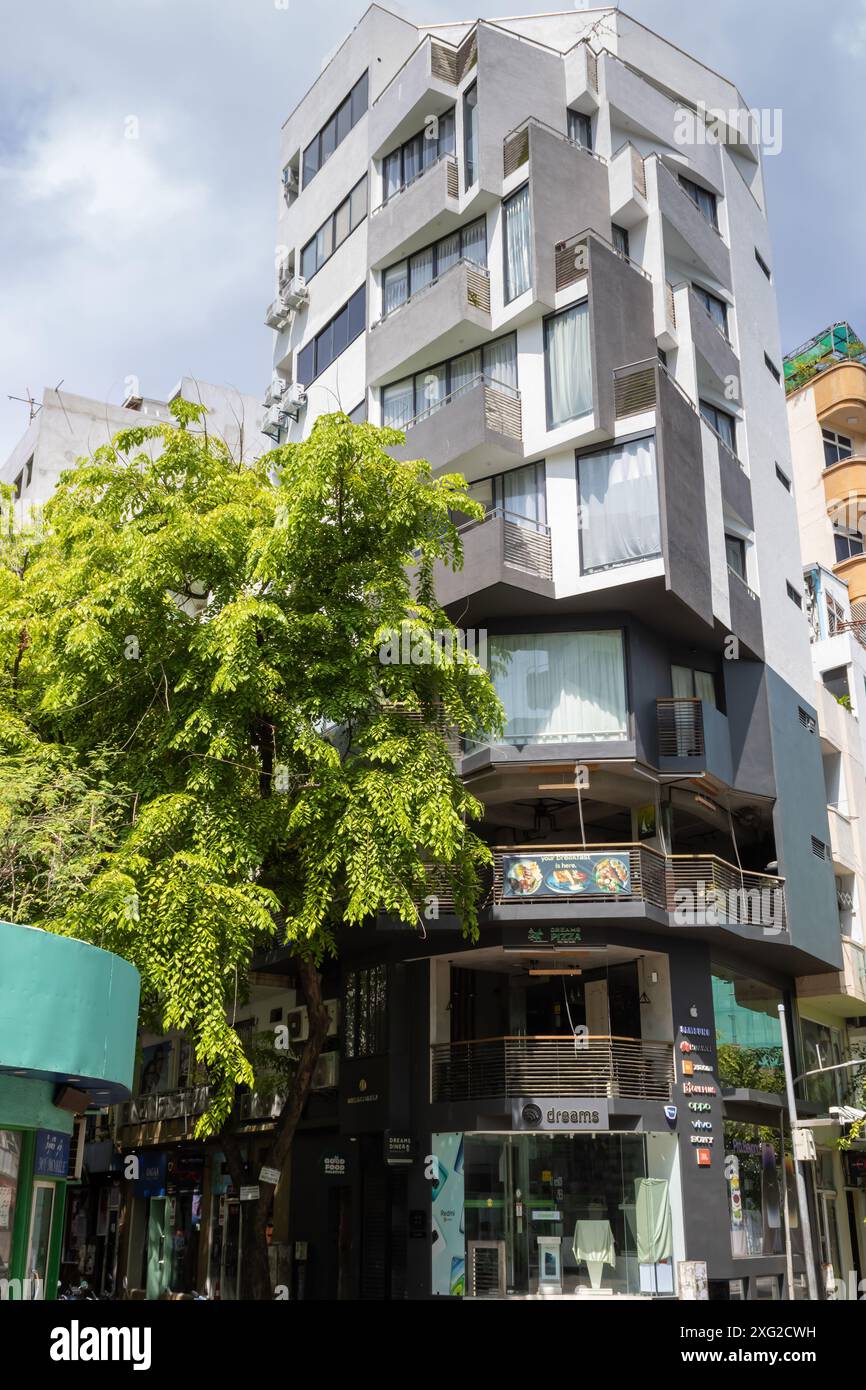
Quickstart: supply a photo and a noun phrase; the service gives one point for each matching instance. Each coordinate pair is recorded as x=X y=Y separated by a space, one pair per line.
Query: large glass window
x=568 y=366
x=724 y=424
x=413 y=396
x=519 y=494
x=10 y=1162
x=836 y=447
x=690 y=684
x=408 y=277
x=518 y=249
x=619 y=505
x=715 y=307
x=560 y=687
x=755 y=1170
x=403 y=165
x=748 y=1031
x=333 y=339
x=580 y=129
x=822 y=1048
x=847 y=543
x=365 y=1012
x=335 y=130
x=470 y=134
x=735 y=554
x=334 y=231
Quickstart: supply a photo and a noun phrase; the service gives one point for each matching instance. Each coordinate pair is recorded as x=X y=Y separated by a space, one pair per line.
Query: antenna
x=35 y=406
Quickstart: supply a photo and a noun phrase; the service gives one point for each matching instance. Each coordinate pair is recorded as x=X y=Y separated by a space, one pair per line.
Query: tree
x=208 y=638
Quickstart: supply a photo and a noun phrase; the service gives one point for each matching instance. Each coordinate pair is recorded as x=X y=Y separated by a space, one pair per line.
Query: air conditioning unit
x=295 y=293
x=293 y=399
x=275 y=422
x=326 y=1072
x=280 y=314
x=298 y=1024
x=275 y=390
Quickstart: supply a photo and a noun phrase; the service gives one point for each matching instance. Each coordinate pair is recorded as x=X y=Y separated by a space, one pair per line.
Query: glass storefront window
x=40 y=1237
x=822 y=1048
x=757 y=1173
x=748 y=1032
x=568 y=1211
x=10 y=1162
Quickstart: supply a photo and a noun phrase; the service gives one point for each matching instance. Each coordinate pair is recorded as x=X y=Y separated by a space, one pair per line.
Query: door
x=158 y=1257
x=39 y=1240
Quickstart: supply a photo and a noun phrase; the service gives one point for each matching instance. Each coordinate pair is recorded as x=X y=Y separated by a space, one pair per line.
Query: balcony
x=572 y=258
x=505 y=550
x=424 y=85
x=693 y=736
x=845 y=489
x=840 y=397
x=735 y=484
x=841 y=992
x=450 y=314
x=746 y=615
x=853 y=571
x=709 y=340
x=416 y=215
x=513 y=1067
x=628 y=197
x=475 y=429
x=694 y=888
x=687 y=233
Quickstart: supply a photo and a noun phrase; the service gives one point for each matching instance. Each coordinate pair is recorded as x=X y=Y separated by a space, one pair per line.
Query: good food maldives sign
x=565 y=875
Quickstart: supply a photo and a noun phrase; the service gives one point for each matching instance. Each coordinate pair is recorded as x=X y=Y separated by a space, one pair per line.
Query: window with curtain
x=580 y=129
x=704 y=201
x=398 y=403
x=518 y=253
x=560 y=687
x=470 y=134
x=567 y=365
x=715 y=307
x=619 y=238
x=521 y=493
x=619 y=505
x=403 y=165
x=408 y=277
x=689 y=684
x=500 y=362
x=405 y=400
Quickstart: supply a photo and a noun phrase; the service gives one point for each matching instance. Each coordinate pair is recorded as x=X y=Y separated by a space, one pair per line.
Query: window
x=793 y=595
x=334 y=231
x=847 y=542
x=705 y=202
x=568 y=369
x=401 y=281
x=10 y=1163
x=619 y=236
x=404 y=401
x=822 y=1048
x=365 y=1012
x=763 y=264
x=333 y=339
x=724 y=424
x=715 y=307
x=836 y=447
x=772 y=369
x=520 y=495
x=415 y=156
x=335 y=130
x=580 y=129
x=517 y=242
x=835 y=615
x=690 y=684
x=155 y=1069
x=560 y=687
x=470 y=134
x=755 y=1177
x=748 y=1031
x=735 y=554
x=783 y=478
x=619 y=506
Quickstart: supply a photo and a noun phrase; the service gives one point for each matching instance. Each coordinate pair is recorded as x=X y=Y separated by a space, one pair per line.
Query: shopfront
x=554 y=1212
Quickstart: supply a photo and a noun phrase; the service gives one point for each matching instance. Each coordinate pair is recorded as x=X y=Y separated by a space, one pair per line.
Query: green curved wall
x=68 y=1012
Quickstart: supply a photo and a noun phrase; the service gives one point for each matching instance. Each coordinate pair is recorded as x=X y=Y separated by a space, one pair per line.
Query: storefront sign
x=399 y=1148
x=334 y=1165
x=52 y=1154
x=564 y=1113
x=447 y=1239
x=566 y=875
x=152 y=1171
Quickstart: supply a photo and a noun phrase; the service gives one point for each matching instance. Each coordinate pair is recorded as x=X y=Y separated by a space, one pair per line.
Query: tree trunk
x=255 y=1267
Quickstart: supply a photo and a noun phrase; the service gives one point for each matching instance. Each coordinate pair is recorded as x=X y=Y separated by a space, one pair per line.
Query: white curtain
x=447 y=252
x=619 y=505
x=395 y=288
x=500 y=361
x=474 y=242
x=521 y=492
x=518 y=256
x=430 y=389
x=392 y=175
x=398 y=403
x=421 y=270
x=561 y=686
x=568 y=365
x=465 y=369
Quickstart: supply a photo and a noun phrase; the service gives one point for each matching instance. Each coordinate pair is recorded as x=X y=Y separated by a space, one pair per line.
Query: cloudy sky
x=138 y=172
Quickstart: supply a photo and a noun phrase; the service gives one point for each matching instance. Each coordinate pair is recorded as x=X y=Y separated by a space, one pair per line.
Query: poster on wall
x=447 y=1226
x=566 y=875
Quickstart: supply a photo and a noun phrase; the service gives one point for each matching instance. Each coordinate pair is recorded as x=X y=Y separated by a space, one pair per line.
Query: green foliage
x=189 y=666
x=751 y=1068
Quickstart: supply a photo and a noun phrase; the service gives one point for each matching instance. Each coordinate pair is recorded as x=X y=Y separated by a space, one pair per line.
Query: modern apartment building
x=540 y=247
x=826 y=384
x=66 y=427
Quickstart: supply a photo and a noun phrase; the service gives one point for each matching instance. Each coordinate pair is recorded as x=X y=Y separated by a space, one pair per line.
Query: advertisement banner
x=568 y=875
x=447 y=1225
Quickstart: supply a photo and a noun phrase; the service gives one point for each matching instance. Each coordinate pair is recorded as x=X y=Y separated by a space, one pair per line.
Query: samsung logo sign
x=559 y=1113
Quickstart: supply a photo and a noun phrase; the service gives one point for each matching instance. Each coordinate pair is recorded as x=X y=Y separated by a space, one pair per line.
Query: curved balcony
x=853 y=571
x=840 y=397
x=590 y=1066
x=844 y=484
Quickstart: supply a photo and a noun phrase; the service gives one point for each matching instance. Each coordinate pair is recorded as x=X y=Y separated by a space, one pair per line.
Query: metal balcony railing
x=185 y=1103
x=680 y=727
x=590 y=1066
x=502 y=407
x=515 y=145
x=572 y=260
x=477 y=290
x=452 y=181
x=525 y=543
x=691 y=886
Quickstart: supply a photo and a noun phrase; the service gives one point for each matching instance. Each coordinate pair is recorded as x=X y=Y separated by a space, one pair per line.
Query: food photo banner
x=565 y=875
